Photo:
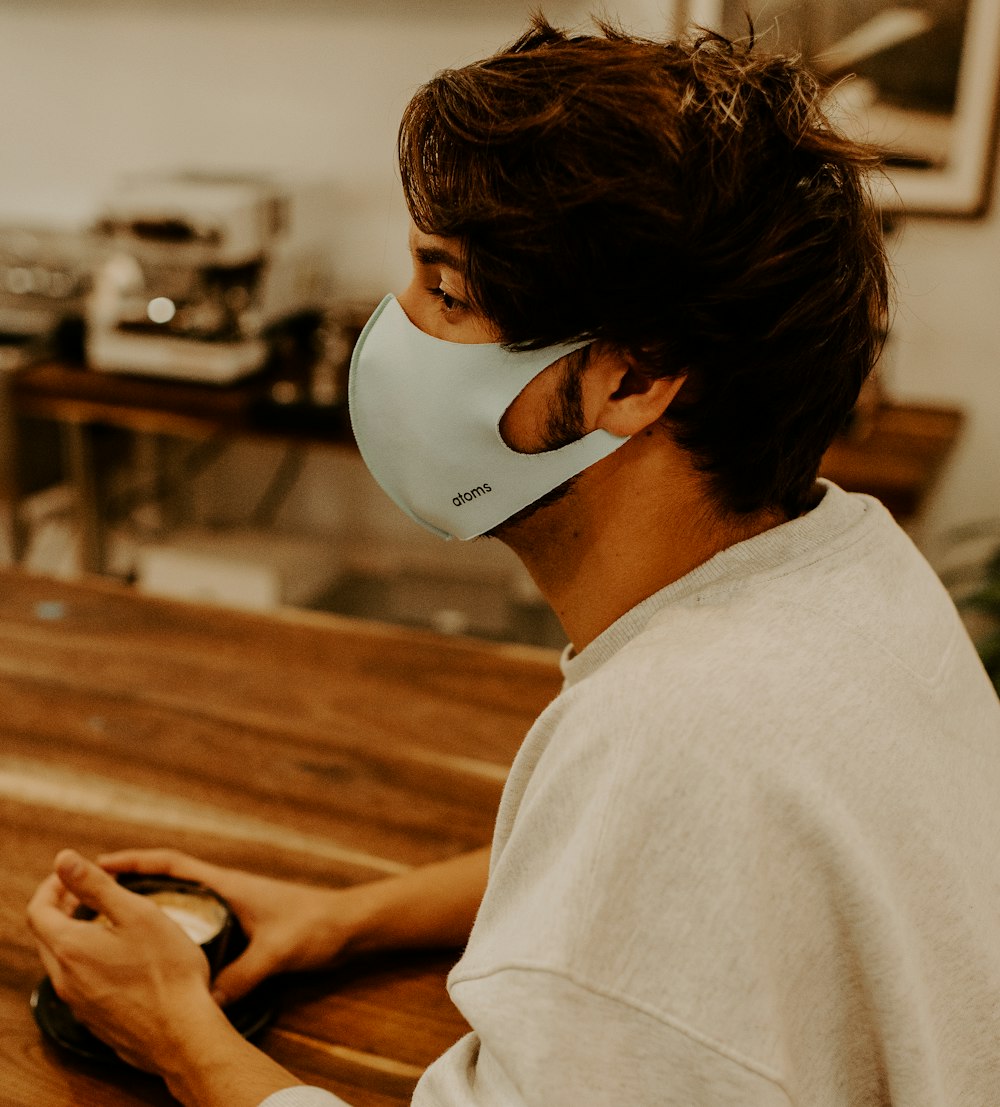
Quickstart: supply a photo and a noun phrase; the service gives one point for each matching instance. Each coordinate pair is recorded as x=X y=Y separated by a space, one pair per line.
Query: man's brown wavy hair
x=687 y=202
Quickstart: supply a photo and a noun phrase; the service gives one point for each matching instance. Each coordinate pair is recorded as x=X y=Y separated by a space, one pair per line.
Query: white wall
x=946 y=347
x=92 y=88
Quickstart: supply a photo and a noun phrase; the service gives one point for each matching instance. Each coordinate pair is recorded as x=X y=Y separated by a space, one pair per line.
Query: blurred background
x=309 y=93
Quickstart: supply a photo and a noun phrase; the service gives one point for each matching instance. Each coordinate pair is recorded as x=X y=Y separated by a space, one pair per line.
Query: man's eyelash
x=448 y=301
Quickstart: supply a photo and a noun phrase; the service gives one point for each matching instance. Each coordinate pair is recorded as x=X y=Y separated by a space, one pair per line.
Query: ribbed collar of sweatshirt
x=837 y=513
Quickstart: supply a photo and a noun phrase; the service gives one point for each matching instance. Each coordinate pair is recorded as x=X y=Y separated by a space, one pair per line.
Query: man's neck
x=632 y=524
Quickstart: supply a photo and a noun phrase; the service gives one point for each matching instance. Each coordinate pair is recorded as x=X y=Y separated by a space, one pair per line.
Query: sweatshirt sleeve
x=544 y=1040
x=303 y=1096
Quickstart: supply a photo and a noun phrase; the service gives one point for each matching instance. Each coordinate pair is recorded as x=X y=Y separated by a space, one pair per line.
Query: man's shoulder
x=862 y=642
x=864 y=598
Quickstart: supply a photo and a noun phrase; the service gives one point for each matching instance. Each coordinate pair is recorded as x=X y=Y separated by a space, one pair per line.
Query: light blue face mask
x=426 y=416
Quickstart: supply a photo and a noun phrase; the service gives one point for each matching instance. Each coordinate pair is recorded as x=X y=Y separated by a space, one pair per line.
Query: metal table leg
x=78 y=447
x=10 y=484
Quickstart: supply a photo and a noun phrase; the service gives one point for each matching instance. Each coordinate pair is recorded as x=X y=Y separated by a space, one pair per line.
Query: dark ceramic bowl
x=207 y=919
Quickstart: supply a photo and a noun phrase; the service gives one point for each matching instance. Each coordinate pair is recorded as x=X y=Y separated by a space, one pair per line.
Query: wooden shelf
x=152 y=405
x=896 y=456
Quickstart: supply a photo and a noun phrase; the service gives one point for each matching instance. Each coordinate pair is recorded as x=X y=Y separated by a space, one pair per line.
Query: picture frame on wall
x=920 y=79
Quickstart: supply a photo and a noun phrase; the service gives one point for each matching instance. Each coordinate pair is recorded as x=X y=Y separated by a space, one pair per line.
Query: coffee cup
x=204 y=916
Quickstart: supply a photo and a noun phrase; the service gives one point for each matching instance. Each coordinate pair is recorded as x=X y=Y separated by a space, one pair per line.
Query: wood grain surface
x=302 y=746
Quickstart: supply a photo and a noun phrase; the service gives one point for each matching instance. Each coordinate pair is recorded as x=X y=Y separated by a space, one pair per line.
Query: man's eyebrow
x=438 y=255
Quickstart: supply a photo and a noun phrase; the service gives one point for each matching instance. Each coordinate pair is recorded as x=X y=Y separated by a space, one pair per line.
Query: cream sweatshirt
x=750 y=856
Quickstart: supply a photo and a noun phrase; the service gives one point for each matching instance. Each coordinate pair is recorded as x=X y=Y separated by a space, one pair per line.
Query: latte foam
x=200 y=917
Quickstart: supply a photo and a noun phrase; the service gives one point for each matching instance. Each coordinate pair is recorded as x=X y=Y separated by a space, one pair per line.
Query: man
x=748 y=856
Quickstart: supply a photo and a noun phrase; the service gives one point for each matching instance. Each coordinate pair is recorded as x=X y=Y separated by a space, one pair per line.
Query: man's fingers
x=229 y=883
x=66 y=901
x=51 y=926
x=53 y=970
x=93 y=887
x=45 y=911
x=161 y=862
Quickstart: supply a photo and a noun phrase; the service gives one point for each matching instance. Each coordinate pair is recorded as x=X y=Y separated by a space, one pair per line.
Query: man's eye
x=448 y=302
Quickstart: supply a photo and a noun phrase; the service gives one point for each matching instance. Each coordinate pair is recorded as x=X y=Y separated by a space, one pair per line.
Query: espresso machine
x=45 y=275
x=201 y=274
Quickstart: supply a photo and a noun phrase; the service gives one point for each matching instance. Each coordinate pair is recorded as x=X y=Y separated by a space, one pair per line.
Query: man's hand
x=132 y=976
x=290 y=927
x=140 y=984
x=296 y=927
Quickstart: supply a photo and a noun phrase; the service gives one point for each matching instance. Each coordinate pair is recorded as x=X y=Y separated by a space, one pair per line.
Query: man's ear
x=621 y=398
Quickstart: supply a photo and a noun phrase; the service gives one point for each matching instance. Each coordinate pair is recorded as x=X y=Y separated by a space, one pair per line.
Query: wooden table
x=297 y=745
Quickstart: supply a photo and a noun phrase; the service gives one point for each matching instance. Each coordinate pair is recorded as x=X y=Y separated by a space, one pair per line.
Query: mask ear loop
x=564 y=416
x=506 y=411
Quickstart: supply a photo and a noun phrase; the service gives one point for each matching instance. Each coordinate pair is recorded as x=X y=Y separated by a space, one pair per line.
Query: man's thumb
x=91 y=885
x=241 y=976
